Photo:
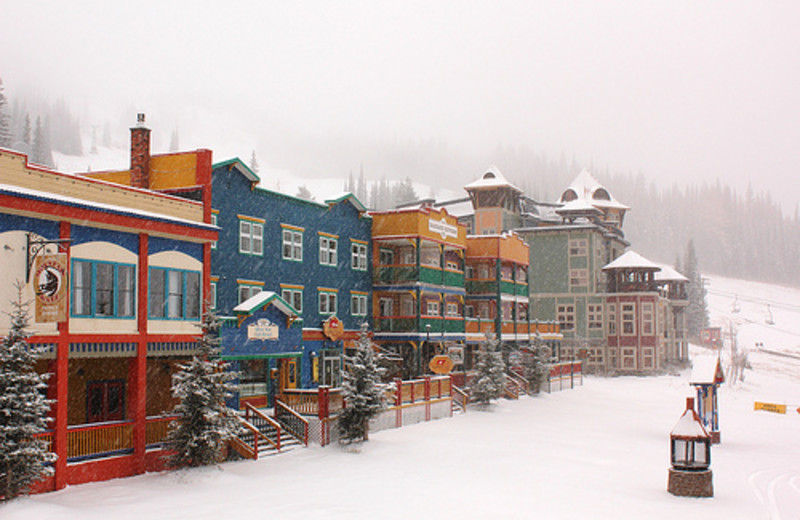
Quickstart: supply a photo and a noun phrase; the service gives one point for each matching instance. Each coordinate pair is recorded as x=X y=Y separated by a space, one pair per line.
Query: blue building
x=315 y=258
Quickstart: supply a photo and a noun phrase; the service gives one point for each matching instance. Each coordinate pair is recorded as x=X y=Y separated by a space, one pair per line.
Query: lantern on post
x=690 y=455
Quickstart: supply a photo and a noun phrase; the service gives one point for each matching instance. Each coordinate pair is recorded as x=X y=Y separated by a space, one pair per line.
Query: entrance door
x=105 y=401
x=330 y=371
x=287 y=374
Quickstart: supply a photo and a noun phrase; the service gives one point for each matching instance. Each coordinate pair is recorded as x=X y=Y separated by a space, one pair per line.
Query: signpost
x=771 y=407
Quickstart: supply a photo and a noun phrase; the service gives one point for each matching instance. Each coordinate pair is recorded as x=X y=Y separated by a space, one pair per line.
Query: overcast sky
x=684 y=90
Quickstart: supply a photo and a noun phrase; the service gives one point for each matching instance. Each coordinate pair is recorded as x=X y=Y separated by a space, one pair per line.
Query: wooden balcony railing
x=86 y=441
x=156 y=429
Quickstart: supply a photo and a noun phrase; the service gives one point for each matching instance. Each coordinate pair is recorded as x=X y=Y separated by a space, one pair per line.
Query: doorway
x=105 y=401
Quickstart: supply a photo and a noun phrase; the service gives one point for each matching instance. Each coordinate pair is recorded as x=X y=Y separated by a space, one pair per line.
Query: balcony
x=388 y=274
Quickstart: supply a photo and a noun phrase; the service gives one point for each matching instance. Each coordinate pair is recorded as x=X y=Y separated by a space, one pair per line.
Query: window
x=612 y=357
x=247 y=291
x=452 y=310
x=430 y=257
x=648 y=358
x=647 y=319
x=407 y=307
x=292 y=245
x=327 y=251
x=506 y=310
x=628 y=358
x=578 y=247
x=294 y=297
x=174 y=294
x=327 y=302
x=483 y=272
x=358 y=304
x=214 y=223
x=103 y=289
x=565 y=314
x=469 y=311
x=212 y=295
x=251 y=237
x=612 y=319
x=386 y=257
x=595 y=313
x=358 y=256
x=432 y=308
x=628 y=319
x=578 y=277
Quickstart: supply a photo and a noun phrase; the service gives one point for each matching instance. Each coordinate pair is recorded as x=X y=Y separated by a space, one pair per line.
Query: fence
x=563 y=376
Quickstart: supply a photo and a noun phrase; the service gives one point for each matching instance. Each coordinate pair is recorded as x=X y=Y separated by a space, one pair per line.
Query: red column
x=323 y=411
x=62 y=388
x=137 y=367
x=427 y=391
x=398 y=401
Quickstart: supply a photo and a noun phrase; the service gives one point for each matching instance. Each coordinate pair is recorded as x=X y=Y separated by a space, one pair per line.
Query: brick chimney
x=140 y=154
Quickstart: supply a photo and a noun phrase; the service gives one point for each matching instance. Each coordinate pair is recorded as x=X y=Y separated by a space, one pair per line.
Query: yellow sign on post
x=770 y=407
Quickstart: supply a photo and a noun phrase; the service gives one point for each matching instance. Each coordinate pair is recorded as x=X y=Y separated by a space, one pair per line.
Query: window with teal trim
x=103 y=289
x=174 y=294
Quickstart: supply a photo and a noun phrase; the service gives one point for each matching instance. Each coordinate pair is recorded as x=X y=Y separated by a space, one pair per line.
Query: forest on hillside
x=743 y=235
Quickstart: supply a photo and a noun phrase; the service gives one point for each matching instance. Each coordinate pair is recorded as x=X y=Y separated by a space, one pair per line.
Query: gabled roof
x=706 y=370
x=240 y=166
x=668 y=274
x=263 y=299
x=349 y=197
x=492 y=178
x=586 y=187
x=689 y=427
x=632 y=260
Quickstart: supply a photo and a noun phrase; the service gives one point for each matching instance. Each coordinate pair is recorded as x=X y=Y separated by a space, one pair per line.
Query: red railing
x=306 y=402
x=156 y=429
x=47 y=438
x=296 y=425
x=99 y=439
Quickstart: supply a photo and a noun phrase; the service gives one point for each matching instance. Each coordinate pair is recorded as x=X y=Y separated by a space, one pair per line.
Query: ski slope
x=599 y=451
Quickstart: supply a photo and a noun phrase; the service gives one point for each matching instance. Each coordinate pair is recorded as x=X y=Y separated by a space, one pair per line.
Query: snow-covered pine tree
x=364 y=394
x=536 y=368
x=491 y=378
x=23 y=408
x=204 y=423
x=697 y=310
x=254 y=162
x=6 y=135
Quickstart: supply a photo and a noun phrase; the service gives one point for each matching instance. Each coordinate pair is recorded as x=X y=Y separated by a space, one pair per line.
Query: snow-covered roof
x=689 y=427
x=586 y=187
x=492 y=178
x=578 y=206
x=346 y=195
x=632 y=260
x=458 y=208
x=263 y=299
x=706 y=370
x=668 y=274
x=239 y=165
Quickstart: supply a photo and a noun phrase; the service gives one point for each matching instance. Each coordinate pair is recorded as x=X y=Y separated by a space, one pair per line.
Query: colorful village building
x=418 y=285
x=312 y=258
x=119 y=274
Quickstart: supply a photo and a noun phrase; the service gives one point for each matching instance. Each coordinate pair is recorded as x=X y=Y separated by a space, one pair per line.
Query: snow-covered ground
x=599 y=451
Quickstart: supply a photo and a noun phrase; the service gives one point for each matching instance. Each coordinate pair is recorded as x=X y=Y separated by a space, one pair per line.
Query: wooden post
x=62 y=388
x=323 y=412
x=398 y=401
x=427 y=398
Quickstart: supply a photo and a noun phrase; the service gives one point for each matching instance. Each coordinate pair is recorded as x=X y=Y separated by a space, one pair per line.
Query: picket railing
x=86 y=441
x=156 y=429
x=296 y=425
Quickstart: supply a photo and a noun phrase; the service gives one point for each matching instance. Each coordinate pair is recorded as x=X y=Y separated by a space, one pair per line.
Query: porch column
x=62 y=387
x=137 y=367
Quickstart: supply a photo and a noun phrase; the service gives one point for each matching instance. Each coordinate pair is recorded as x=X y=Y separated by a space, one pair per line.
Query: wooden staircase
x=263 y=435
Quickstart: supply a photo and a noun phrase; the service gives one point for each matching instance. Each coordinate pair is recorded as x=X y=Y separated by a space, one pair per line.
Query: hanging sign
x=333 y=328
x=262 y=329
x=50 y=285
x=441 y=364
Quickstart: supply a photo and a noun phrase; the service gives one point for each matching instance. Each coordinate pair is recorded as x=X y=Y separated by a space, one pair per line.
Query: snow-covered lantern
x=690 y=450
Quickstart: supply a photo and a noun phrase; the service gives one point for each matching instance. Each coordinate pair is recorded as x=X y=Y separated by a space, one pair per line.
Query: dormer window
x=569 y=195
x=601 y=194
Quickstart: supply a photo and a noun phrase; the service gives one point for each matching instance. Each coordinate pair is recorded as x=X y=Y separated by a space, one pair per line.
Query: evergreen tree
x=6 y=135
x=361 y=187
x=364 y=394
x=536 y=366
x=697 y=310
x=41 y=152
x=23 y=408
x=490 y=380
x=204 y=423
x=174 y=141
x=304 y=193
x=253 y=162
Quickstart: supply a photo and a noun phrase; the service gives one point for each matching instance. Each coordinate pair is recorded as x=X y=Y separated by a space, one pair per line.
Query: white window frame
x=452 y=310
x=328 y=251
x=594 y=313
x=628 y=317
x=246 y=291
x=432 y=308
x=578 y=246
x=214 y=223
x=251 y=237
x=358 y=304
x=358 y=256
x=327 y=302
x=293 y=240
x=565 y=315
x=578 y=277
x=648 y=319
x=212 y=295
x=293 y=297
x=612 y=319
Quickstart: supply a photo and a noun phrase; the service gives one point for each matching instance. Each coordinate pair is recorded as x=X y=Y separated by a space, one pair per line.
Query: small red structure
x=690 y=450
x=711 y=337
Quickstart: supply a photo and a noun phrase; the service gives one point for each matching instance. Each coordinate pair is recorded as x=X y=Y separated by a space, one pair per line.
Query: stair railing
x=523 y=384
x=460 y=398
x=511 y=388
x=264 y=424
x=295 y=424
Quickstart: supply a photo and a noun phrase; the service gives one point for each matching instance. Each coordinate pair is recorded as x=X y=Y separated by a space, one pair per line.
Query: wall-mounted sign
x=333 y=328
x=442 y=228
x=456 y=354
x=50 y=285
x=262 y=329
x=441 y=364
